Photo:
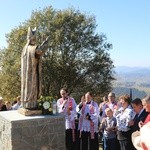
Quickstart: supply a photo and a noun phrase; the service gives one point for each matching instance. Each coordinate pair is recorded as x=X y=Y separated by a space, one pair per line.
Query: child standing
x=108 y=128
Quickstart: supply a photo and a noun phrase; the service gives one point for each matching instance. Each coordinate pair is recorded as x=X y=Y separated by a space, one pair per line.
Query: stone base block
x=27 y=112
x=19 y=132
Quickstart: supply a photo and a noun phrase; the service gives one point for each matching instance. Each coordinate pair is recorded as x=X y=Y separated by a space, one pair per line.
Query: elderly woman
x=124 y=116
x=146 y=106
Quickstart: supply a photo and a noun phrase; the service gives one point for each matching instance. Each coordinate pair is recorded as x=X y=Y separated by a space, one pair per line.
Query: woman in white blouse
x=124 y=115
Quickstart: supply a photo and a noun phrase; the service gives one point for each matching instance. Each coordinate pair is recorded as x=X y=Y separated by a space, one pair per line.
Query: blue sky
x=126 y=23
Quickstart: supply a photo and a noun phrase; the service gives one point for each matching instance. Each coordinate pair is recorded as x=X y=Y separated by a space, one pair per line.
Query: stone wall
x=19 y=132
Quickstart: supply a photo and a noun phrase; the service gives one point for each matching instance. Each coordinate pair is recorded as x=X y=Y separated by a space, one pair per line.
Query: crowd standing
x=122 y=124
x=8 y=105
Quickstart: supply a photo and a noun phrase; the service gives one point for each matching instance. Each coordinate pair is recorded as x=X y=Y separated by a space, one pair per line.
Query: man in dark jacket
x=141 y=115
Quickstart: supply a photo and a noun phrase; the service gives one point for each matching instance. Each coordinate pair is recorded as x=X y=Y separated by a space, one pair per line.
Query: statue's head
x=31 y=35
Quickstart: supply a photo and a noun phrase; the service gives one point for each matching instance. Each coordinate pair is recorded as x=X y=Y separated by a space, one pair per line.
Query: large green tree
x=77 y=57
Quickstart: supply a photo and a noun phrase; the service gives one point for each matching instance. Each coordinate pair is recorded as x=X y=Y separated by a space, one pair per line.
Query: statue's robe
x=31 y=74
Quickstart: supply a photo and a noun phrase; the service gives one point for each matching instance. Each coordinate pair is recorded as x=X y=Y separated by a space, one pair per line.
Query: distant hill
x=124 y=90
x=125 y=69
x=136 y=78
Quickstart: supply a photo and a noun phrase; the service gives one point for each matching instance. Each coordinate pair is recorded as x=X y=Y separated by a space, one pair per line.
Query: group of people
x=117 y=121
x=81 y=121
x=8 y=105
x=121 y=123
x=124 y=124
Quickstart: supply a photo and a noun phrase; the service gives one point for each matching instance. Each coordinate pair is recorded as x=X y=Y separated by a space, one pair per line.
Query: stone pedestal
x=19 y=132
x=27 y=112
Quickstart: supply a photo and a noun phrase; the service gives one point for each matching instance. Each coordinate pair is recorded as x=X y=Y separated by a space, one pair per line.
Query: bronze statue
x=31 y=70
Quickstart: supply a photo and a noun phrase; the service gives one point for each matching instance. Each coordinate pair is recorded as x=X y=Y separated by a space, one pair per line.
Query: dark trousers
x=77 y=142
x=125 y=140
x=70 y=144
x=125 y=145
x=109 y=144
x=86 y=141
x=117 y=145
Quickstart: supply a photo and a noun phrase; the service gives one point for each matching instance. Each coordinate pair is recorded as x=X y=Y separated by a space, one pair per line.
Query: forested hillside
x=135 y=92
x=135 y=78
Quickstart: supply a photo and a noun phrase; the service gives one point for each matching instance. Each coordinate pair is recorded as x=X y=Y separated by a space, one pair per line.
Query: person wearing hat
x=145 y=136
x=141 y=139
x=2 y=106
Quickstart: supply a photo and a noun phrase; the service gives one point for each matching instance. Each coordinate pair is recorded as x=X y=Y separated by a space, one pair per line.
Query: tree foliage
x=77 y=57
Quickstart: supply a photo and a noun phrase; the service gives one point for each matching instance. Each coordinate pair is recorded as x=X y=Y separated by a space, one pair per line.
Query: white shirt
x=123 y=117
x=84 y=124
x=16 y=106
x=62 y=109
